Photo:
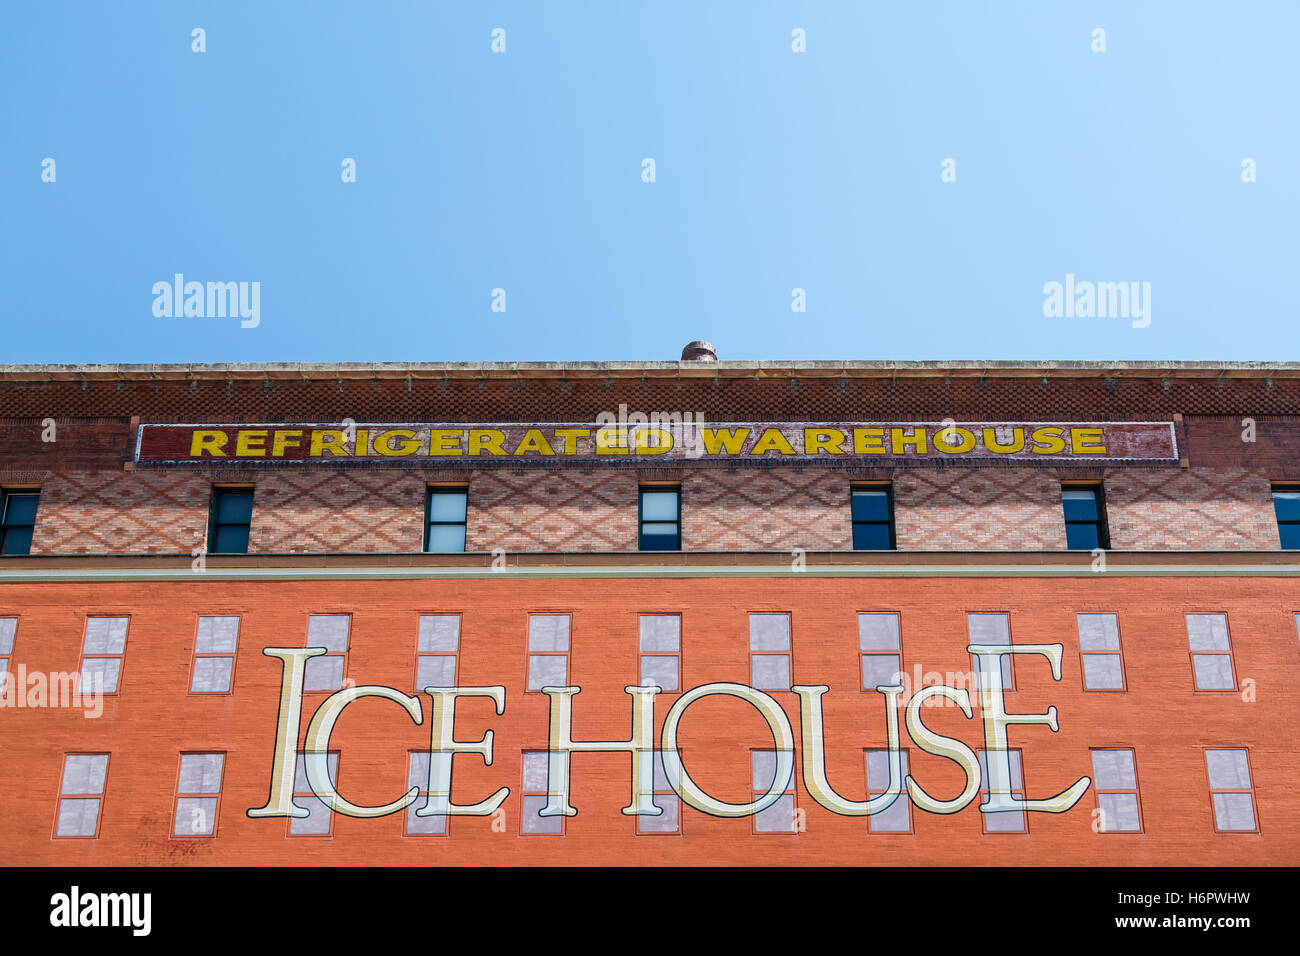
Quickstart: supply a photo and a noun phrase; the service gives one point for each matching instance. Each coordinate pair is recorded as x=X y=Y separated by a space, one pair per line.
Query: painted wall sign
x=659 y=439
x=995 y=777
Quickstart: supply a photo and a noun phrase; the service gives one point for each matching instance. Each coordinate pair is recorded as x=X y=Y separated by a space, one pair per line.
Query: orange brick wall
x=153 y=720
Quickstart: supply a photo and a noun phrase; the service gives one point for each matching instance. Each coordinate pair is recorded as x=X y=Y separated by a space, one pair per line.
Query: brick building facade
x=1192 y=602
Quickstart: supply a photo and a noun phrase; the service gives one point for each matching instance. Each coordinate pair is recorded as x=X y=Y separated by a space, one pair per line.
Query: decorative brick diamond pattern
x=1193 y=509
x=342 y=511
x=760 y=510
x=552 y=511
x=122 y=513
x=962 y=510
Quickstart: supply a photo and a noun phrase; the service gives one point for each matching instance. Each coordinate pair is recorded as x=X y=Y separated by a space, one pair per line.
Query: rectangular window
x=881 y=650
x=214 y=655
x=1286 y=505
x=319 y=820
x=17 y=519
x=534 y=794
x=445 y=519
x=436 y=651
x=232 y=514
x=897 y=817
x=329 y=631
x=1231 y=791
x=102 y=651
x=660 y=518
x=1114 y=777
x=661 y=648
x=80 y=794
x=780 y=816
x=8 y=628
x=1085 y=517
x=1103 y=662
x=992 y=629
x=769 y=651
x=198 y=793
x=1207 y=637
x=666 y=799
x=418 y=776
x=872 y=509
x=548 y=651
x=1004 y=821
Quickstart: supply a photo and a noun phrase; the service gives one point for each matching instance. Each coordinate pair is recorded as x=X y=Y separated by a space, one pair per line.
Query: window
x=1230 y=790
x=661 y=648
x=102 y=651
x=897 y=817
x=445 y=517
x=666 y=799
x=232 y=513
x=661 y=518
x=1114 y=777
x=780 y=816
x=1003 y=821
x=1207 y=637
x=214 y=655
x=17 y=519
x=197 y=794
x=320 y=819
x=1103 y=663
x=992 y=629
x=872 y=508
x=1286 y=504
x=878 y=644
x=418 y=776
x=80 y=793
x=535 y=793
x=1085 y=517
x=769 y=651
x=8 y=628
x=436 y=648
x=548 y=651
x=329 y=631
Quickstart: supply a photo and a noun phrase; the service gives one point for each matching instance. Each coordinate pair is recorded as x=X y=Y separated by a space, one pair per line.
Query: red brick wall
x=1159 y=716
x=1207 y=508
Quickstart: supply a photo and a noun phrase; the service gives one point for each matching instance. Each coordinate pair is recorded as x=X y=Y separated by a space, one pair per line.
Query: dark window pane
x=234 y=507
x=1081 y=537
x=1287 y=505
x=871 y=506
x=444 y=506
x=20 y=509
x=659 y=506
x=230 y=539
x=1290 y=534
x=1080 y=504
x=871 y=537
x=17 y=541
x=446 y=537
x=659 y=537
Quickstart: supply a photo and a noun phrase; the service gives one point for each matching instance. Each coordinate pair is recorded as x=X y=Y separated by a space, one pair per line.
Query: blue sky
x=522 y=171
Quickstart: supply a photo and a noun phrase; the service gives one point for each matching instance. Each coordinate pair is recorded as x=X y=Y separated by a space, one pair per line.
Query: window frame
x=982 y=752
x=420 y=655
x=196 y=655
x=888 y=488
x=1274 y=488
x=8 y=492
x=1254 y=804
x=791 y=790
x=421 y=800
x=1083 y=672
x=288 y=828
x=788 y=653
x=655 y=793
x=1192 y=654
x=100 y=796
x=1099 y=498
x=862 y=655
x=1099 y=791
x=641 y=655
x=121 y=658
x=345 y=653
x=902 y=795
x=529 y=653
x=437 y=489
x=218 y=491
x=654 y=488
x=7 y=656
x=1009 y=678
x=525 y=793
x=177 y=795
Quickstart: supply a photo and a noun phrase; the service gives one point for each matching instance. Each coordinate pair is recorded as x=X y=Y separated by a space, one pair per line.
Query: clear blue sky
x=523 y=170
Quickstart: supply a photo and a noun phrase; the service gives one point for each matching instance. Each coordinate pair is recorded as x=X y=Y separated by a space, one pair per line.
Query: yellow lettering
x=772 y=439
x=830 y=440
x=1047 y=441
x=571 y=436
x=718 y=439
x=664 y=441
x=897 y=440
x=943 y=438
x=1086 y=441
x=992 y=444
x=486 y=439
x=534 y=440
x=445 y=441
x=283 y=439
x=328 y=439
x=868 y=441
x=408 y=445
x=212 y=441
x=245 y=447
x=611 y=441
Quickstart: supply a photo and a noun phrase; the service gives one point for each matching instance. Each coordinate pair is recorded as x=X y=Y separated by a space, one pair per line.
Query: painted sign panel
x=659 y=439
